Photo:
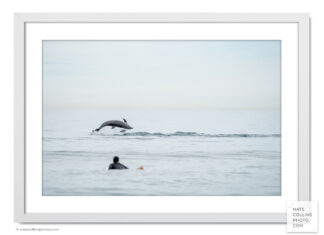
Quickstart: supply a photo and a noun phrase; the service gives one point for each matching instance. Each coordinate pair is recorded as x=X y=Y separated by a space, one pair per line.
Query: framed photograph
x=161 y=118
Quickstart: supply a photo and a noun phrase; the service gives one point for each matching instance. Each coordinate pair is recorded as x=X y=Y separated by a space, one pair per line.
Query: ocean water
x=192 y=153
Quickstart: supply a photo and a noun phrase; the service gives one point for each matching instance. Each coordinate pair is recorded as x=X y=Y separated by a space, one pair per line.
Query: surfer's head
x=116 y=159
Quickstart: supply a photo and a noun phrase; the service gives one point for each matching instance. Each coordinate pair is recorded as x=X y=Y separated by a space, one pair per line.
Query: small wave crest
x=182 y=133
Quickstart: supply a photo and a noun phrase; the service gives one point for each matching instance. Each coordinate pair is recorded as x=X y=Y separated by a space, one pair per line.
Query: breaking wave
x=181 y=133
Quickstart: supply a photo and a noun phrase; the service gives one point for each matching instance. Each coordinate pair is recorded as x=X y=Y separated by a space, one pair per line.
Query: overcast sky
x=162 y=74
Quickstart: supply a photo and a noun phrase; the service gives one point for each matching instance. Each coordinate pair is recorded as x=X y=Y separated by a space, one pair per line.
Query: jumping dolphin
x=115 y=123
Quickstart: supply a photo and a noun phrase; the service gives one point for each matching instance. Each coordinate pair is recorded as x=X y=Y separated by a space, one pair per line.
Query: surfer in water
x=116 y=165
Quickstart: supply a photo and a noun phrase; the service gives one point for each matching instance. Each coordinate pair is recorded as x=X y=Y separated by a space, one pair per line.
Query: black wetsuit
x=115 y=166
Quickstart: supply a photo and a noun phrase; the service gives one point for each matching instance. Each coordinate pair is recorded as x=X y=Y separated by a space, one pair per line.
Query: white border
x=303 y=147
x=37 y=32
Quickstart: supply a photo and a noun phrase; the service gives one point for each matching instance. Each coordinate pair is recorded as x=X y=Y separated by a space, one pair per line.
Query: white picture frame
x=303 y=194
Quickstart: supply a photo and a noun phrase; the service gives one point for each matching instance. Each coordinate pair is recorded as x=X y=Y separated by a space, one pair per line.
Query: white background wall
x=7 y=8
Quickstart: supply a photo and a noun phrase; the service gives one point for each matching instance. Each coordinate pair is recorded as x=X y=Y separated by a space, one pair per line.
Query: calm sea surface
x=182 y=152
